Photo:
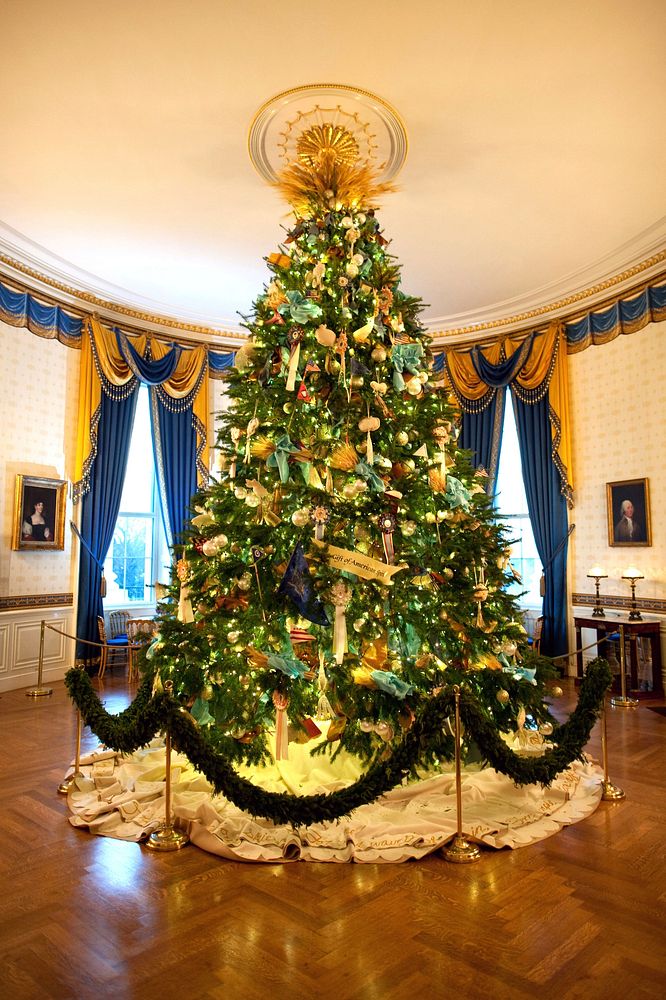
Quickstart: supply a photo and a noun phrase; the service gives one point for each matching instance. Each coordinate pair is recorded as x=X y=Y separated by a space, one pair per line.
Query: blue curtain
x=481 y=433
x=99 y=511
x=175 y=451
x=548 y=515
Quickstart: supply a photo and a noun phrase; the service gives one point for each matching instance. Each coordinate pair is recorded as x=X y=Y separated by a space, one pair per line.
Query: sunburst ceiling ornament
x=329 y=121
x=327 y=139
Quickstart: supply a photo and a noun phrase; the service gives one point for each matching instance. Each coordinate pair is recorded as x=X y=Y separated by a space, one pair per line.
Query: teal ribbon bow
x=288 y=665
x=300 y=308
x=387 y=681
x=280 y=457
x=405 y=358
x=367 y=473
x=201 y=713
x=523 y=674
x=456 y=494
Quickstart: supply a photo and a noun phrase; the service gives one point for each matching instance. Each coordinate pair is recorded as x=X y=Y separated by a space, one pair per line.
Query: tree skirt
x=123 y=797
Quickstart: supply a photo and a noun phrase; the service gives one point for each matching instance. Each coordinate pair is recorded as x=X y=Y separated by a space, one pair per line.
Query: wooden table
x=648 y=628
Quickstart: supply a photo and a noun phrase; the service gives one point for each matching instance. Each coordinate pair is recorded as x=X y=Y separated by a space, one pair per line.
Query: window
x=138 y=554
x=511 y=504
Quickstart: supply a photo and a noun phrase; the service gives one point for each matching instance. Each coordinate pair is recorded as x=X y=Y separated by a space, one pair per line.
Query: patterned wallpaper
x=618 y=408
x=38 y=413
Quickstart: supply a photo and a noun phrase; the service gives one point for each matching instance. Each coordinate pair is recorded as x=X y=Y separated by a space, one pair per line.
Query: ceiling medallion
x=297 y=125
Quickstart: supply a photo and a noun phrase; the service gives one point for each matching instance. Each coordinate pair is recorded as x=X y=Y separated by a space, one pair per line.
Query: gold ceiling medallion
x=327 y=121
x=325 y=140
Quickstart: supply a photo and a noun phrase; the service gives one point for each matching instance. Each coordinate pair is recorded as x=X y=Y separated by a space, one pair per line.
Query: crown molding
x=578 y=292
x=54 y=279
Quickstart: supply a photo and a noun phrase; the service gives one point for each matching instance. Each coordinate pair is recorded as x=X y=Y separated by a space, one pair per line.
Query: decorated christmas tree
x=346 y=565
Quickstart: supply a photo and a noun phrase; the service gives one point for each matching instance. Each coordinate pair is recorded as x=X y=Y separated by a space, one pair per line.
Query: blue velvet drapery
x=99 y=512
x=481 y=433
x=175 y=453
x=548 y=515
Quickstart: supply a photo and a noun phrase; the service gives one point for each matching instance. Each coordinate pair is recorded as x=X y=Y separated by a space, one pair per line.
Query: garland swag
x=149 y=714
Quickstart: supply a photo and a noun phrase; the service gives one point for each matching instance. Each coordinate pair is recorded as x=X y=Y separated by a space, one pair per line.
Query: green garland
x=148 y=715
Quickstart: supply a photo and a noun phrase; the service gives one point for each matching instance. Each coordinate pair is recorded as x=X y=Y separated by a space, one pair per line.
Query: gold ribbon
x=361 y=565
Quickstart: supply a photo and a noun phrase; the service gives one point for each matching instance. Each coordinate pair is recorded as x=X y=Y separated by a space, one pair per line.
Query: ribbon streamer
x=281 y=726
x=387 y=523
x=324 y=707
x=340 y=595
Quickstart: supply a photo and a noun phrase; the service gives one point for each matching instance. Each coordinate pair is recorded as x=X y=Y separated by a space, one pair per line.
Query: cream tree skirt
x=123 y=797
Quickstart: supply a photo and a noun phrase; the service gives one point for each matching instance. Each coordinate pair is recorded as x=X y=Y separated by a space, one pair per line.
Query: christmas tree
x=347 y=563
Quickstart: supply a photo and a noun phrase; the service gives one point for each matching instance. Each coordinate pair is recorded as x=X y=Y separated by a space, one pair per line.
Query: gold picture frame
x=39 y=514
x=628 y=509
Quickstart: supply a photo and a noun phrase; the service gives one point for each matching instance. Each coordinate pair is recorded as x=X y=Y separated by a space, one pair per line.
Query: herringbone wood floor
x=580 y=915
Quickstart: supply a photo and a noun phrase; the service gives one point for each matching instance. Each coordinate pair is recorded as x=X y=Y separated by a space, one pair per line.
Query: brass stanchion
x=39 y=691
x=621 y=700
x=460 y=850
x=67 y=783
x=166 y=838
x=609 y=791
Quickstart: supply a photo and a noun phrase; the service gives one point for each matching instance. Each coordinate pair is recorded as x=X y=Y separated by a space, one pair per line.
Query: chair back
x=141 y=630
x=118 y=623
x=536 y=638
x=102 y=630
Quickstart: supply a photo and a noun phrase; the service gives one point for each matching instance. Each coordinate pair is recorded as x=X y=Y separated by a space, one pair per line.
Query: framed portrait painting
x=39 y=513
x=628 y=508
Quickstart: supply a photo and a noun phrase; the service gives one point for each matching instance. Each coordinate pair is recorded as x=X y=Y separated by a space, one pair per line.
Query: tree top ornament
x=328 y=145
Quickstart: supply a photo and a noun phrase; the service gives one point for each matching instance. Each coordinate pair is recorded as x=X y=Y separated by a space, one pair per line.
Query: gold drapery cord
x=545 y=371
x=101 y=360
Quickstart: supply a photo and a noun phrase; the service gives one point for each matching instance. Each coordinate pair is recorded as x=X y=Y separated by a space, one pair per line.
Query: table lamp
x=596 y=573
x=632 y=574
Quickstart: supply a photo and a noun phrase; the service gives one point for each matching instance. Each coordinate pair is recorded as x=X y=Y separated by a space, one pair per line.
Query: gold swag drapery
x=543 y=372
x=103 y=369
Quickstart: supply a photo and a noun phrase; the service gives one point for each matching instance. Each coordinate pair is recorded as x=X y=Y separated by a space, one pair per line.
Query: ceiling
x=536 y=144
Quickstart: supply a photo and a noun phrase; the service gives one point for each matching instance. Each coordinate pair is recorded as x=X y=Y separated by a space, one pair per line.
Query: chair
x=111 y=648
x=118 y=624
x=140 y=631
x=535 y=641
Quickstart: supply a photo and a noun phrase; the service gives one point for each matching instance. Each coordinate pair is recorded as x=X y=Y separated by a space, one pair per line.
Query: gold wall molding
x=108 y=310
x=519 y=322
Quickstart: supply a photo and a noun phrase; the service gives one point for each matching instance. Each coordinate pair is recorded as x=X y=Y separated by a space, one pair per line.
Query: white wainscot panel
x=20 y=637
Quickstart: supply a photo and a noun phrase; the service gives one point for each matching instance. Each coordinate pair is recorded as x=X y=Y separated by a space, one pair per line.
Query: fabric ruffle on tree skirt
x=123 y=797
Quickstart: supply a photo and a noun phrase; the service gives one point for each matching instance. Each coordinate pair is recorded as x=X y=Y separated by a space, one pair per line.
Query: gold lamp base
x=38 y=692
x=611 y=792
x=461 y=852
x=621 y=701
x=167 y=839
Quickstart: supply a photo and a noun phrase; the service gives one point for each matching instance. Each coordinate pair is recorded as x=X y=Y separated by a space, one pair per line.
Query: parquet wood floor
x=582 y=914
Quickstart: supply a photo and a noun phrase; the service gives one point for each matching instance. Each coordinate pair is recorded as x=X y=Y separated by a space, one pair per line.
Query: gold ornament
x=378 y=353
x=321 y=140
x=402 y=438
x=503 y=697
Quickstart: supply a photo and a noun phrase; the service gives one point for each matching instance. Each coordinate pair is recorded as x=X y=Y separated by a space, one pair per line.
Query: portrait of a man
x=628 y=512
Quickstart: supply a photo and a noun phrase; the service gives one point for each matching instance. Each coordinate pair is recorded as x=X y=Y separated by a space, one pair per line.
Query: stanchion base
x=166 y=839
x=39 y=692
x=611 y=792
x=461 y=852
x=66 y=784
x=620 y=701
